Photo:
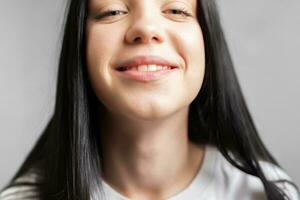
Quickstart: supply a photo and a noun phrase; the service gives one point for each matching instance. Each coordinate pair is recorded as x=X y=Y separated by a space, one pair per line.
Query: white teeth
x=152 y=67
x=144 y=68
x=159 y=67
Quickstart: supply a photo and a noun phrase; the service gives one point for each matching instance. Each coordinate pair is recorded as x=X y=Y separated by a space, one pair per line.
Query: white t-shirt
x=217 y=179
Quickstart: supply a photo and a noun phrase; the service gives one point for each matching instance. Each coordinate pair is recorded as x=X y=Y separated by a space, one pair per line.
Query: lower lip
x=145 y=76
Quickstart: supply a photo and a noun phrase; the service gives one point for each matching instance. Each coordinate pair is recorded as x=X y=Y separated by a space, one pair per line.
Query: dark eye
x=110 y=13
x=180 y=12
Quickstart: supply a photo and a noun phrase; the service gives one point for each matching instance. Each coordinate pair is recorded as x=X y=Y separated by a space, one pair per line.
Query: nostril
x=137 y=39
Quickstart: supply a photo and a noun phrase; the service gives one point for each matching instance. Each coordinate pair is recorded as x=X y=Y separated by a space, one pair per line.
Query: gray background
x=264 y=38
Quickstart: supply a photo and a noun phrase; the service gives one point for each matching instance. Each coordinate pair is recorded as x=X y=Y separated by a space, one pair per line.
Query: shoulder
x=23 y=187
x=281 y=178
x=240 y=185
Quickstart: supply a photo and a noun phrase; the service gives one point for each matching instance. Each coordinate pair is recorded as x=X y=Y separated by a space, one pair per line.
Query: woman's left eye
x=180 y=12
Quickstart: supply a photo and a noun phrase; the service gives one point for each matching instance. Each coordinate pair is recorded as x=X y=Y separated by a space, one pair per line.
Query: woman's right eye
x=109 y=13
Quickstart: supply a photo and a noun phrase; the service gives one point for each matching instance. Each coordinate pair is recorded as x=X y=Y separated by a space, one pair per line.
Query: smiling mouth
x=146 y=63
x=146 y=73
x=146 y=68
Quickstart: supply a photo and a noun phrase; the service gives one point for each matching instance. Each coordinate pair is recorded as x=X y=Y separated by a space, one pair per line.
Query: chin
x=151 y=112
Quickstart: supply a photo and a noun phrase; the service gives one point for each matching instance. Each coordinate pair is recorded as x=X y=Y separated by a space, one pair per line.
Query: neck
x=152 y=158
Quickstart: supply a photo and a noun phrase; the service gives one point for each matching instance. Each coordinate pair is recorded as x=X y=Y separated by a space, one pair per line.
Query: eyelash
x=107 y=13
x=183 y=11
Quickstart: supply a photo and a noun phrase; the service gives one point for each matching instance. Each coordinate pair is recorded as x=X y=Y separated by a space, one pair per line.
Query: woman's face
x=144 y=28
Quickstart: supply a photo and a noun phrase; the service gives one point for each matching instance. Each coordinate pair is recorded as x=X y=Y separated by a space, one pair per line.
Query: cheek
x=194 y=46
x=101 y=46
x=193 y=51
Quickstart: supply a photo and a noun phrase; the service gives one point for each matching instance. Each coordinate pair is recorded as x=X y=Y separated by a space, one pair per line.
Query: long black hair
x=67 y=157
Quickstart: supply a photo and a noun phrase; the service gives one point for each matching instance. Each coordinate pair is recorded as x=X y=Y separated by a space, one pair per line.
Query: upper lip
x=147 y=60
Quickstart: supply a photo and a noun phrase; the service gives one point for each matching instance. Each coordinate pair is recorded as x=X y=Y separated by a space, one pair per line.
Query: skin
x=146 y=151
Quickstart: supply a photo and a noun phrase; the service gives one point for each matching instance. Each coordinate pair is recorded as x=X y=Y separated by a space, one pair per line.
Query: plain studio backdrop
x=263 y=36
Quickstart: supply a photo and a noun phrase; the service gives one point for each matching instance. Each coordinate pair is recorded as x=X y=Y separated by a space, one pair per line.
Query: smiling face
x=149 y=28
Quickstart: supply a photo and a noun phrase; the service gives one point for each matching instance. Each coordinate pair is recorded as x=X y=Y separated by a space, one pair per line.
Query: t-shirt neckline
x=197 y=186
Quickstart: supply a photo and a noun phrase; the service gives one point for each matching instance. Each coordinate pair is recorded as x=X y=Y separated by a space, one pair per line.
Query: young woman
x=148 y=106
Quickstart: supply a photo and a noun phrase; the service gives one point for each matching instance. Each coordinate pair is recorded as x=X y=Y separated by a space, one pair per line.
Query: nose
x=145 y=29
